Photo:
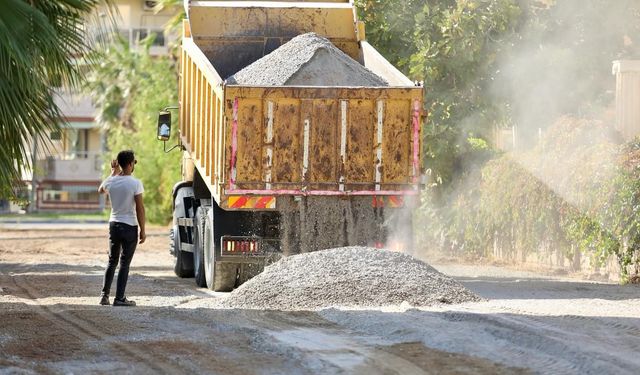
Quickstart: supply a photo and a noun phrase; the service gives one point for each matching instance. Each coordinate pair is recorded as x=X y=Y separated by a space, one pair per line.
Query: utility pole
x=103 y=149
x=33 y=207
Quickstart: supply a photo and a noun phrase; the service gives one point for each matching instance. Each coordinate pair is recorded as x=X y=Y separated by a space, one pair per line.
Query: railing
x=74 y=155
x=134 y=36
x=73 y=166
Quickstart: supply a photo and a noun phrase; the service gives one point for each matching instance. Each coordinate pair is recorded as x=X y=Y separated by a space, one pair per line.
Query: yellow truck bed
x=253 y=144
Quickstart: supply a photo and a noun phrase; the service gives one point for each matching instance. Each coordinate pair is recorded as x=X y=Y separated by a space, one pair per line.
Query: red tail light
x=240 y=246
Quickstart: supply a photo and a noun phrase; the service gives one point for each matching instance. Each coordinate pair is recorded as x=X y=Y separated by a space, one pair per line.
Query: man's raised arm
x=115 y=170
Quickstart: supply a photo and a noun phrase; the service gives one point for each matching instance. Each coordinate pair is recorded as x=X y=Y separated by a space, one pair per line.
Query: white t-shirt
x=122 y=190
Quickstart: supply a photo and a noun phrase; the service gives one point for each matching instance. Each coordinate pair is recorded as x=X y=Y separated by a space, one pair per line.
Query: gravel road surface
x=50 y=322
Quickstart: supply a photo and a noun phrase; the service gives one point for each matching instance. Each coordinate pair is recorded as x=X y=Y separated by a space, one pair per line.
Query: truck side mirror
x=164 y=125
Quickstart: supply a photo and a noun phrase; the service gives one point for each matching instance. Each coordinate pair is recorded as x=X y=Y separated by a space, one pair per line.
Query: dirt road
x=50 y=322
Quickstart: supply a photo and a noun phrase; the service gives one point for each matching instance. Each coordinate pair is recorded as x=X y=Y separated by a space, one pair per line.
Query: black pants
x=123 y=239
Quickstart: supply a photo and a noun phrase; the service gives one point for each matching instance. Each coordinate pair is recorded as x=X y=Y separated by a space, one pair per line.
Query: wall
x=133 y=15
x=627 y=74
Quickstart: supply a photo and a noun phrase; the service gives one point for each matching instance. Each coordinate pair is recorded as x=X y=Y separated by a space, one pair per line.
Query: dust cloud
x=553 y=80
x=558 y=78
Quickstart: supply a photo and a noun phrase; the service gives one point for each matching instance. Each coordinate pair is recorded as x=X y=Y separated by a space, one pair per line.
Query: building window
x=140 y=34
x=135 y=36
x=77 y=145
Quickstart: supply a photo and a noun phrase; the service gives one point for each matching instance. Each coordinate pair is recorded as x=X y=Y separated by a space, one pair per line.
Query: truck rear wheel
x=198 y=247
x=209 y=251
x=220 y=277
x=183 y=266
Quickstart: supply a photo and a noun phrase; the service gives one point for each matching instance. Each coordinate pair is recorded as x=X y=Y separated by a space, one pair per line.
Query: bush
x=578 y=190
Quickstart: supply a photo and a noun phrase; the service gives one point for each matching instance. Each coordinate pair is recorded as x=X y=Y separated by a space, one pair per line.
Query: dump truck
x=285 y=169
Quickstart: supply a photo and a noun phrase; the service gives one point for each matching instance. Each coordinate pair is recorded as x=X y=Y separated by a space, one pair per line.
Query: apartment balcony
x=75 y=105
x=72 y=167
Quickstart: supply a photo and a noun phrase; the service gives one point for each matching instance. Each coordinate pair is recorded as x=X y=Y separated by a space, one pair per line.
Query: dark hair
x=125 y=158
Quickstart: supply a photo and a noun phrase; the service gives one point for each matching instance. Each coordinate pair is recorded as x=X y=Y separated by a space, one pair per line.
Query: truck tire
x=183 y=266
x=198 y=253
x=220 y=277
x=209 y=250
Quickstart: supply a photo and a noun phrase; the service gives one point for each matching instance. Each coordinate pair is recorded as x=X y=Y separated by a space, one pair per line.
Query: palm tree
x=40 y=41
x=175 y=23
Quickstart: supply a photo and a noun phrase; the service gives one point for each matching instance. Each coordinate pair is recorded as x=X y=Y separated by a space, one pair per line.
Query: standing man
x=127 y=213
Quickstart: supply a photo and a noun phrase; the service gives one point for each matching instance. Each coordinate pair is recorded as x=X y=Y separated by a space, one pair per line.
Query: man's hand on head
x=115 y=168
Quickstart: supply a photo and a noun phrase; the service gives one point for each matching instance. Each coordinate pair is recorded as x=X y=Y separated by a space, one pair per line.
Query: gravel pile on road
x=307 y=60
x=351 y=277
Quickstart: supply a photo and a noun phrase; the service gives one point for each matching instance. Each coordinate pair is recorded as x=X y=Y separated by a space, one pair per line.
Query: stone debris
x=347 y=277
x=307 y=60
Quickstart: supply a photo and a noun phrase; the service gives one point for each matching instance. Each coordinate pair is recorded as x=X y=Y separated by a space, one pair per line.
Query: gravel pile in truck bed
x=351 y=277
x=307 y=60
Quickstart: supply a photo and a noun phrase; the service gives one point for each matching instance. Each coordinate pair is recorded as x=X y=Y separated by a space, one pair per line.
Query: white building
x=67 y=174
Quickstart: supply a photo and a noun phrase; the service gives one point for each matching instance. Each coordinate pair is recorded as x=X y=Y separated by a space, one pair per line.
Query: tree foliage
x=488 y=64
x=129 y=87
x=451 y=46
x=39 y=41
x=576 y=193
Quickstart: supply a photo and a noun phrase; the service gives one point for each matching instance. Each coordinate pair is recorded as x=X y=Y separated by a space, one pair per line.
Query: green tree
x=175 y=23
x=524 y=63
x=496 y=63
x=39 y=41
x=129 y=86
x=452 y=46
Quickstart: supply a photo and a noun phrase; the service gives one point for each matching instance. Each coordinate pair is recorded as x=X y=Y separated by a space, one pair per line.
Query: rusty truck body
x=255 y=158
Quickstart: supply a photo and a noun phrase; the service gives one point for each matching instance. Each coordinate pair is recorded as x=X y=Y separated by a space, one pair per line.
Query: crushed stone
x=307 y=60
x=347 y=277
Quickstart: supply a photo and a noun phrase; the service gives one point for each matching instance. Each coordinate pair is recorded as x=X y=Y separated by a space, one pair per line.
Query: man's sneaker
x=123 y=302
x=104 y=300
